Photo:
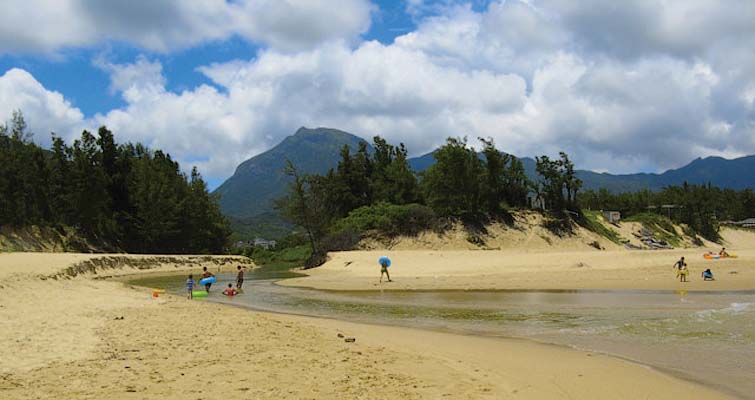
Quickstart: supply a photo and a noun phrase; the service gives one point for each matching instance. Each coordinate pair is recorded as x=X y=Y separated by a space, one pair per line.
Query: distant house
x=612 y=217
x=264 y=243
x=747 y=223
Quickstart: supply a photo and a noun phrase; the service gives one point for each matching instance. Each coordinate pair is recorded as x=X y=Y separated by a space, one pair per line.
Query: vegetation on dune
x=661 y=226
x=379 y=193
x=700 y=207
x=592 y=222
x=121 y=196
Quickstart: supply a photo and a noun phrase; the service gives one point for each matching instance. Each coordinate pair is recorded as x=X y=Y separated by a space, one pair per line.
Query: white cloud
x=48 y=26
x=45 y=111
x=525 y=73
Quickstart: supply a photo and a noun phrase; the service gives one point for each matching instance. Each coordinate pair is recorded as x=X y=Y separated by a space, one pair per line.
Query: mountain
x=738 y=173
x=260 y=180
x=247 y=196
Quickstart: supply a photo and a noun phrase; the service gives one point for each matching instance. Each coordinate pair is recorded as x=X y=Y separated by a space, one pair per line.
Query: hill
x=247 y=196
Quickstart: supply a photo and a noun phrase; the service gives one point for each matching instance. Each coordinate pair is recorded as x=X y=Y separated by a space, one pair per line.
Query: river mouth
x=707 y=337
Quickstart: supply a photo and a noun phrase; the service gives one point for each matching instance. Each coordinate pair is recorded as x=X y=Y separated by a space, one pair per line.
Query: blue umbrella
x=385 y=260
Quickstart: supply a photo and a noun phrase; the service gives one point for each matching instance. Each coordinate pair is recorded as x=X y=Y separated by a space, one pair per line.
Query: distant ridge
x=248 y=195
x=738 y=173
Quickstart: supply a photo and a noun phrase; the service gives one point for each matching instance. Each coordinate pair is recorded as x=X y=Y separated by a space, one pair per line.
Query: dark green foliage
x=389 y=219
x=452 y=186
x=125 y=197
x=559 y=184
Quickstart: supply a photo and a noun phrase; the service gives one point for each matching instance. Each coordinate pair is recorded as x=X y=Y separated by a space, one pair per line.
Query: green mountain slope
x=260 y=180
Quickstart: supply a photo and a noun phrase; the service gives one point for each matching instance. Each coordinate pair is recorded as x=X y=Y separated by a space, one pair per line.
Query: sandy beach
x=80 y=337
x=491 y=270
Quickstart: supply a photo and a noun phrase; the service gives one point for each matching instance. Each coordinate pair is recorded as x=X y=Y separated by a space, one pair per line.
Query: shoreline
x=84 y=338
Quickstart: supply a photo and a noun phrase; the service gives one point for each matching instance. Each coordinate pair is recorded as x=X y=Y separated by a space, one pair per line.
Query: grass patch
x=662 y=227
x=591 y=222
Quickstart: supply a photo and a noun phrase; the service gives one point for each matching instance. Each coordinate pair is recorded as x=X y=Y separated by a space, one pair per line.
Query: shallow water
x=708 y=337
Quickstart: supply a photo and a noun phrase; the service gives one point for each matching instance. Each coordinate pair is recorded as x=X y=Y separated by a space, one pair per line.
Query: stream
x=707 y=337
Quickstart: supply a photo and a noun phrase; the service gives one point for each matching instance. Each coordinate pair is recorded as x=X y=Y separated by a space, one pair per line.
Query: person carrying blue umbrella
x=384 y=262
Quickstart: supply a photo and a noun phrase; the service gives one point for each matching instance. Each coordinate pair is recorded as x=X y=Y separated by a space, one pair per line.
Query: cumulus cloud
x=52 y=25
x=537 y=76
x=45 y=111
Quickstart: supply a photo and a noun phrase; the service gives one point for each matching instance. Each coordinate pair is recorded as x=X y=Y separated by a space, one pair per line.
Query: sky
x=636 y=85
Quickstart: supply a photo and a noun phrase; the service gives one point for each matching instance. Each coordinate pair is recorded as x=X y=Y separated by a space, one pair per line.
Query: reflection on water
x=708 y=337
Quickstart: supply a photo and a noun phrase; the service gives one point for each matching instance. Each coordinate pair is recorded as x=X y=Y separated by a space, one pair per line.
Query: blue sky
x=86 y=86
x=622 y=87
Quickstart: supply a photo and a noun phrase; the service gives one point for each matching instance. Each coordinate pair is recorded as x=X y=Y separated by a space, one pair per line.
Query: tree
x=559 y=184
x=493 y=185
x=297 y=205
x=125 y=197
x=452 y=185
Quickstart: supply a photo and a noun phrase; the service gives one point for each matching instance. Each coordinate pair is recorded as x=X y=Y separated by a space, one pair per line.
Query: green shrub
x=389 y=219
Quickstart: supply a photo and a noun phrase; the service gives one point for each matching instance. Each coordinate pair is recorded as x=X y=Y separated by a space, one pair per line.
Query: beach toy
x=207 y=281
x=709 y=256
x=386 y=260
x=199 y=294
x=157 y=292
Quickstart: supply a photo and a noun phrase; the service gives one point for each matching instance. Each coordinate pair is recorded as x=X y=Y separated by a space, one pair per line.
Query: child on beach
x=707 y=275
x=239 y=278
x=683 y=272
x=190 y=286
x=206 y=274
x=230 y=291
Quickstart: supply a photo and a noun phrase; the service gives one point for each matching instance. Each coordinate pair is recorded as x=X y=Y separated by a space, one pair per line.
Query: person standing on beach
x=190 y=286
x=681 y=270
x=206 y=274
x=384 y=270
x=679 y=266
x=239 y=278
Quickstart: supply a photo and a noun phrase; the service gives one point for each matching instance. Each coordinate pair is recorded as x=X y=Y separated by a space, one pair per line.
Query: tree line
x=124 y=196
x=378 y=190
x=701 y=207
